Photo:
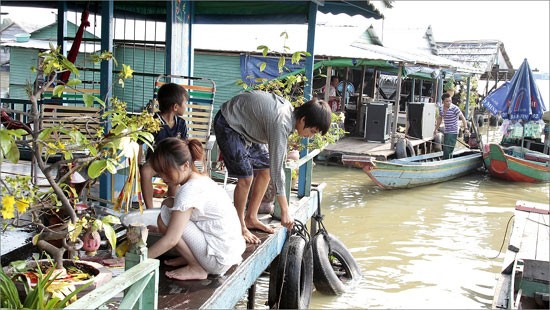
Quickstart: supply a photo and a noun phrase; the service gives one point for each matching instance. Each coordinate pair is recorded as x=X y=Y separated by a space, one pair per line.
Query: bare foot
x=255 y=224
x=187 y=273
x=249 y=237
x=177 y=261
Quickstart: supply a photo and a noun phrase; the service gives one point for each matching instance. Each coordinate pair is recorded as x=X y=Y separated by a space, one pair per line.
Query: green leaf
x=58 y=90
x=73 y=82
x=69 y=65
x=13 y=154
x=110 y=219
x=110 y=234
x=264 y=49
x=96 y=168
x=262 y=66
x=281 y=63
x=93 y=150
x=88 y=99
x=68 y=297
x=35 y=239
x=101 y=102
x=111 y=168
x=19 y=265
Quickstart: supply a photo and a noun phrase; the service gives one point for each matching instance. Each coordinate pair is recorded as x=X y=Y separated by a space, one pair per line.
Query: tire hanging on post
x=291 y=273
x=333 y=265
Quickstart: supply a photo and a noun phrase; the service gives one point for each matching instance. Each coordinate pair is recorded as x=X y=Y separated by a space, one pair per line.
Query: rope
x=299 y=229
x=503 y=239
x=433 y=142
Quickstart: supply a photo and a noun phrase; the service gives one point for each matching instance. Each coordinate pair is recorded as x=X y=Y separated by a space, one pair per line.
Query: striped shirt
x=263 y=118
x=450 y=119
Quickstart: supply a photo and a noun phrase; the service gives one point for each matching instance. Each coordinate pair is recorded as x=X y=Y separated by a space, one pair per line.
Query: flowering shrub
x=105 y=150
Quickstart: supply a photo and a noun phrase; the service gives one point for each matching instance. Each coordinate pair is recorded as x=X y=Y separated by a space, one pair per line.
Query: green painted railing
x=136 y=280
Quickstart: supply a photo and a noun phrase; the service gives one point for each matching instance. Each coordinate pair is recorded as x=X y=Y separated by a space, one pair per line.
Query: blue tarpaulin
x=250 y=68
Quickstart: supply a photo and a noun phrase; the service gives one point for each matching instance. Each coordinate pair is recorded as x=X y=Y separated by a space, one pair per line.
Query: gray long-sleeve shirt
x=264 y=118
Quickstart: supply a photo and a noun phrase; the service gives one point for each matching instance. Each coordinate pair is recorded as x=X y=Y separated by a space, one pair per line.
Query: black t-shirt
x=178 y=131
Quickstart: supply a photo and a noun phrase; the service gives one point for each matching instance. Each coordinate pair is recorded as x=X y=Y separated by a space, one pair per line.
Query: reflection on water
x=427 y=247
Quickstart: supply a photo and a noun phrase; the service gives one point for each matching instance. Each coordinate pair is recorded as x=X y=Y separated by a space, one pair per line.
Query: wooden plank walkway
x=529 y=241
x=225 y=292
x=222 y=292
x=358 y=146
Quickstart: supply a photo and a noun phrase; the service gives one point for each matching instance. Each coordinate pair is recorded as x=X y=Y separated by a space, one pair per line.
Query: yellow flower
x=126 y=72
x=8 y=203
x=22 y=205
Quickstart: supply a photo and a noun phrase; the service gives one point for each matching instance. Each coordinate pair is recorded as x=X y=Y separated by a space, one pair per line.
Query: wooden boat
x=524 y=282
x=416 y=170
x=534 y=167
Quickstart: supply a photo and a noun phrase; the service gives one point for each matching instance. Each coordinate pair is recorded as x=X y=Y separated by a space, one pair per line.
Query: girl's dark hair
x=170 y=94
x=317 y=114
x=171 y=153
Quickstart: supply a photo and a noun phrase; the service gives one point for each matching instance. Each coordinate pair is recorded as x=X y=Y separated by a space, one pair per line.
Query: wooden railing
x=139 y=282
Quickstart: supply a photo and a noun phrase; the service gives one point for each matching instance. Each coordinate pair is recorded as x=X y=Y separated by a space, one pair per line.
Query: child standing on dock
x=449 y=114
x=201 y=223
x=252 y=132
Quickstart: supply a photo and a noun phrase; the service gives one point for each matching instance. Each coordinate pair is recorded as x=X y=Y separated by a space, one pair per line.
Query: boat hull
x=514 y=169
x=414 y=171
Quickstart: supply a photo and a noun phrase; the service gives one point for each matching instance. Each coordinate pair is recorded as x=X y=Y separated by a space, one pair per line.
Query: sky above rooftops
x=522 y=26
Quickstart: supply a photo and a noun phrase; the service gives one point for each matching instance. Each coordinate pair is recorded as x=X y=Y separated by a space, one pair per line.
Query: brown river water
x=431 y=247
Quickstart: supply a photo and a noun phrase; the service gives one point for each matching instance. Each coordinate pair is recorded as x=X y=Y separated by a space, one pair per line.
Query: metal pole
x=106 y=190
x=467 y=107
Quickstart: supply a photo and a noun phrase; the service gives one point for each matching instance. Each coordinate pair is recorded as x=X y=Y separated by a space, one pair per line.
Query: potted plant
x=25 y=204
x=449 y=86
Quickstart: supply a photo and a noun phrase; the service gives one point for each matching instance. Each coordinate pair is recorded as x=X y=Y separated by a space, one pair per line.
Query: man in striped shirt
x=252 y=132
x=449 y=114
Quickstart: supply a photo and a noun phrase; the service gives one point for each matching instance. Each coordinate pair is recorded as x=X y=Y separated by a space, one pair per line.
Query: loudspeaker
x=421 y=118
x=377 y=122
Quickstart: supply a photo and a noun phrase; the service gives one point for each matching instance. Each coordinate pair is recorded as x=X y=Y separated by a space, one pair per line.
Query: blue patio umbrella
x=518 y=99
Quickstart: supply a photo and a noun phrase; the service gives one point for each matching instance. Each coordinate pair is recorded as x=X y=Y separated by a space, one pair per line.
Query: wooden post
x=396 y=107
x=359 y=102
x=137 y=252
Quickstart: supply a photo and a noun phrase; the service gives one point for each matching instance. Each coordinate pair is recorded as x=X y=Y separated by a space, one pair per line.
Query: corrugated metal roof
x=45 y=45
x=482 y=54
x=330 y=42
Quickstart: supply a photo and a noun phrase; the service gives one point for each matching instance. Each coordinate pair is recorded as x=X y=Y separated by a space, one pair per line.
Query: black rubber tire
x=332 y=271
x=401 y=148
x=438 y=142
x=294 y=290
x=410 y=148
x=274 y=287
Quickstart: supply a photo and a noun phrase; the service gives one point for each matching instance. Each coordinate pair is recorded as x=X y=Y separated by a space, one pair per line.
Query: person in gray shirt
x=252 y=131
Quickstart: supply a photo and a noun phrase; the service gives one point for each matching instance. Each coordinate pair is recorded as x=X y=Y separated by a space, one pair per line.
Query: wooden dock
x=212 y=293
x=524 y=281
x=358 y=146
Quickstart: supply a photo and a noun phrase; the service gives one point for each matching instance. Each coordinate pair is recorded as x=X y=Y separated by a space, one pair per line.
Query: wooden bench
x=84 y=119
x=70 y=96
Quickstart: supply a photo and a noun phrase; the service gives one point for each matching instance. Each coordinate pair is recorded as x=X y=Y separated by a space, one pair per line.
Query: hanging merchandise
x=517 y=131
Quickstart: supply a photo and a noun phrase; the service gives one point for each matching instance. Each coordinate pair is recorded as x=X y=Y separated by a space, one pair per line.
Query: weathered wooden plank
x=236 y=286
x=517 y=232
x=543 y=240
x=530 y=242
x=104 y=293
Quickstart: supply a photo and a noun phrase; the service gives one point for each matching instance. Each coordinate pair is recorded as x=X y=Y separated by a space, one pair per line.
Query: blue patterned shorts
x=239 y=158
